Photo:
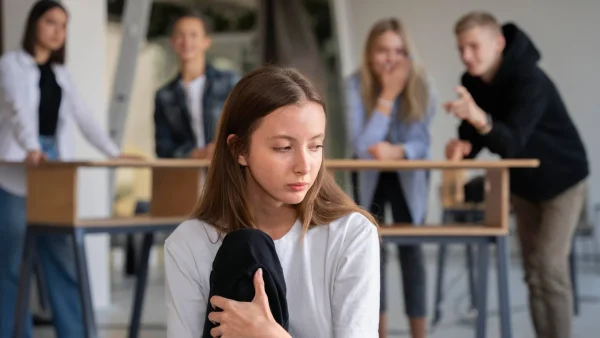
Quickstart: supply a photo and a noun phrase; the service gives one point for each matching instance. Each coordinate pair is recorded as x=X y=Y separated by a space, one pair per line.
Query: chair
x=456 y=210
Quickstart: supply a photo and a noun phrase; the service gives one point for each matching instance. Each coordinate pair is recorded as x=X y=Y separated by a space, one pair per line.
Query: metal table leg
x=482 y=289
x=471 y=275
x=573 y=273
x=503 y=286
x=84 y=283
x=140 y=288
x=439 y=286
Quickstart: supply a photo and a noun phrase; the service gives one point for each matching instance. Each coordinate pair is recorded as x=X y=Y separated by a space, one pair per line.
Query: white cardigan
x=19 y=103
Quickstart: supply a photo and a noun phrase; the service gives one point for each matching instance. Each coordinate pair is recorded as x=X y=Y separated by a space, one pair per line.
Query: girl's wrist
x=277 y=331
x=388 y=96
x=385 y=102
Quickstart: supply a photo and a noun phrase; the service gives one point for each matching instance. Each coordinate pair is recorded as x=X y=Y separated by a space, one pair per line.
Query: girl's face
x=388 y=52
x=285 y=154
x=51 y=29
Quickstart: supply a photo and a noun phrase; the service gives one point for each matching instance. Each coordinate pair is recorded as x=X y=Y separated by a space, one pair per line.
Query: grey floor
x=456 y=321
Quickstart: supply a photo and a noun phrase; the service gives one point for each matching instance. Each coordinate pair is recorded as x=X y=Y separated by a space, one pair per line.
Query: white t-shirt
x=194 y=91
x=332 y=278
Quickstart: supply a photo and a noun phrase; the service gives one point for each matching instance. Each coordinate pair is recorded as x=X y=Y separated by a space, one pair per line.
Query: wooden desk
x=52 y=188
x=52 y=207
x=493 y=230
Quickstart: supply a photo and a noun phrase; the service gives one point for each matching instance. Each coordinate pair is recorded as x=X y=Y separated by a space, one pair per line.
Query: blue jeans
x=56 y=258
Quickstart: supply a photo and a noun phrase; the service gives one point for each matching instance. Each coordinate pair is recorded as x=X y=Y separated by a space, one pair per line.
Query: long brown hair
x=416 y=93
x=224 y=203
x=30 y=38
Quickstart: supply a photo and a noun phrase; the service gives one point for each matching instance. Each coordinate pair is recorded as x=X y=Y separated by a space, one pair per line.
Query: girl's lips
x=298 y=186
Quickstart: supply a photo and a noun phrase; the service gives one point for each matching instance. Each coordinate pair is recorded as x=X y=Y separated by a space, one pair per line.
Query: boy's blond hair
x=476 y=19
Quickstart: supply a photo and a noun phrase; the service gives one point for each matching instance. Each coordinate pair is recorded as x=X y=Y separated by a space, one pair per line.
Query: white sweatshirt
x=332 y=278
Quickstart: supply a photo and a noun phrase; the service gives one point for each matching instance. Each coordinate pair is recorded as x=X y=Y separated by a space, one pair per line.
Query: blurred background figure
x=324 y=40
x=40 y=105
x=508 y=105
x=188 y=108
x=389 y=107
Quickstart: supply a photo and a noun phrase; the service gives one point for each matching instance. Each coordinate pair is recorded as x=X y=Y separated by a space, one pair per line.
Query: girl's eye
x=316 y=148
x=282 y=149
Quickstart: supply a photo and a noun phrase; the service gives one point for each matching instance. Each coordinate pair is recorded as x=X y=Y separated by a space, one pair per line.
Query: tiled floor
x=455 y=322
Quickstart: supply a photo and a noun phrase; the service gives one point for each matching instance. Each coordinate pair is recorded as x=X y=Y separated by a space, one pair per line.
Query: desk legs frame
x=78 y=235
x=481 y=287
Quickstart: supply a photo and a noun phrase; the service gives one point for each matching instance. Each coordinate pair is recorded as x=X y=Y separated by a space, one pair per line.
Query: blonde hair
x=416 y=93
x=476 y=19
x=224 y=203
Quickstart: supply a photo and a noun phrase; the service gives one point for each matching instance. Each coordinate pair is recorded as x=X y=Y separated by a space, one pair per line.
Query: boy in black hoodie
x=508 y=105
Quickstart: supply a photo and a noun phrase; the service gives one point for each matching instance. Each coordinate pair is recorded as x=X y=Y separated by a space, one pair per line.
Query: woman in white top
x=38 y=105
x=272 y=228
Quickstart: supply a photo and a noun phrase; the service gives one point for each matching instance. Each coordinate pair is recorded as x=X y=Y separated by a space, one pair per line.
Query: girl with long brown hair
x=275 y=247
x=389 y=107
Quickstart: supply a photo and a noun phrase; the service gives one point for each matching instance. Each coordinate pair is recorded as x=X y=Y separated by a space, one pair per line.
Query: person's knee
x=57 y=255
x=12 y=239
x=555 y=275
x=548 y=272
x=415 y=301
x=415 y=296
x=412 y=262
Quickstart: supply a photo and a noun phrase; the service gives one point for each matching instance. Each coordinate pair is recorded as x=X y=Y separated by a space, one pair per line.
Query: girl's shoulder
x=194 y=237
x=351 y=227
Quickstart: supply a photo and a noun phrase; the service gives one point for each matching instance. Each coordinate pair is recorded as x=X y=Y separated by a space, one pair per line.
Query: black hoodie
x=529 y=120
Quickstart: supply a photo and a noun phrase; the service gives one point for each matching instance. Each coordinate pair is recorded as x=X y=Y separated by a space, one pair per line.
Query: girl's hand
x=35 y=157
x=386 y=151
x=394 y=79
x=246 y=319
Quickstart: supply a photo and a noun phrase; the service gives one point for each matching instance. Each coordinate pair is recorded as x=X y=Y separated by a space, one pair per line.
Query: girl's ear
x=241 y=158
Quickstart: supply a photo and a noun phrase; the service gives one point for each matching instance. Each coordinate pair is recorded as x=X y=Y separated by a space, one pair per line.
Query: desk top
x=385 y=231
x=339 y=164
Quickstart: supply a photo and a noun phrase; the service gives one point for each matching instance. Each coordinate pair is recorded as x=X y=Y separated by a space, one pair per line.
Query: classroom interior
x=97 y=56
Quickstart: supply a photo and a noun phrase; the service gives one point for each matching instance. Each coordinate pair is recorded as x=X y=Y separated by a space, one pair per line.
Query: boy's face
x=480 y=49
x=189 y=39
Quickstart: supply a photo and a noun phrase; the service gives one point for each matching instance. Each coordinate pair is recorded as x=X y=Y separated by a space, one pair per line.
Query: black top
x=50 y=96
x=240 y=255
x=530 y=120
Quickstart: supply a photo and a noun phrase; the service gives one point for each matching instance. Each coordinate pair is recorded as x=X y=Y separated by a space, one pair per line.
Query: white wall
x=86 y=46
x=564 y=31
x=86 y=60
x=13 y=22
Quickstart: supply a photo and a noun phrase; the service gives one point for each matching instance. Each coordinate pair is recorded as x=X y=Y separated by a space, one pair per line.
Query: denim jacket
x=173 y=133
x=363 y=132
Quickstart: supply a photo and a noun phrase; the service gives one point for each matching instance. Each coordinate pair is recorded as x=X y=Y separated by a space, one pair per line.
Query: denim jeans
x=56 y=257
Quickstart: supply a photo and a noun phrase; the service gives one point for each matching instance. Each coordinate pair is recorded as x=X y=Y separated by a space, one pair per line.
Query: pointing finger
x=463 y=92
x=448 y=106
